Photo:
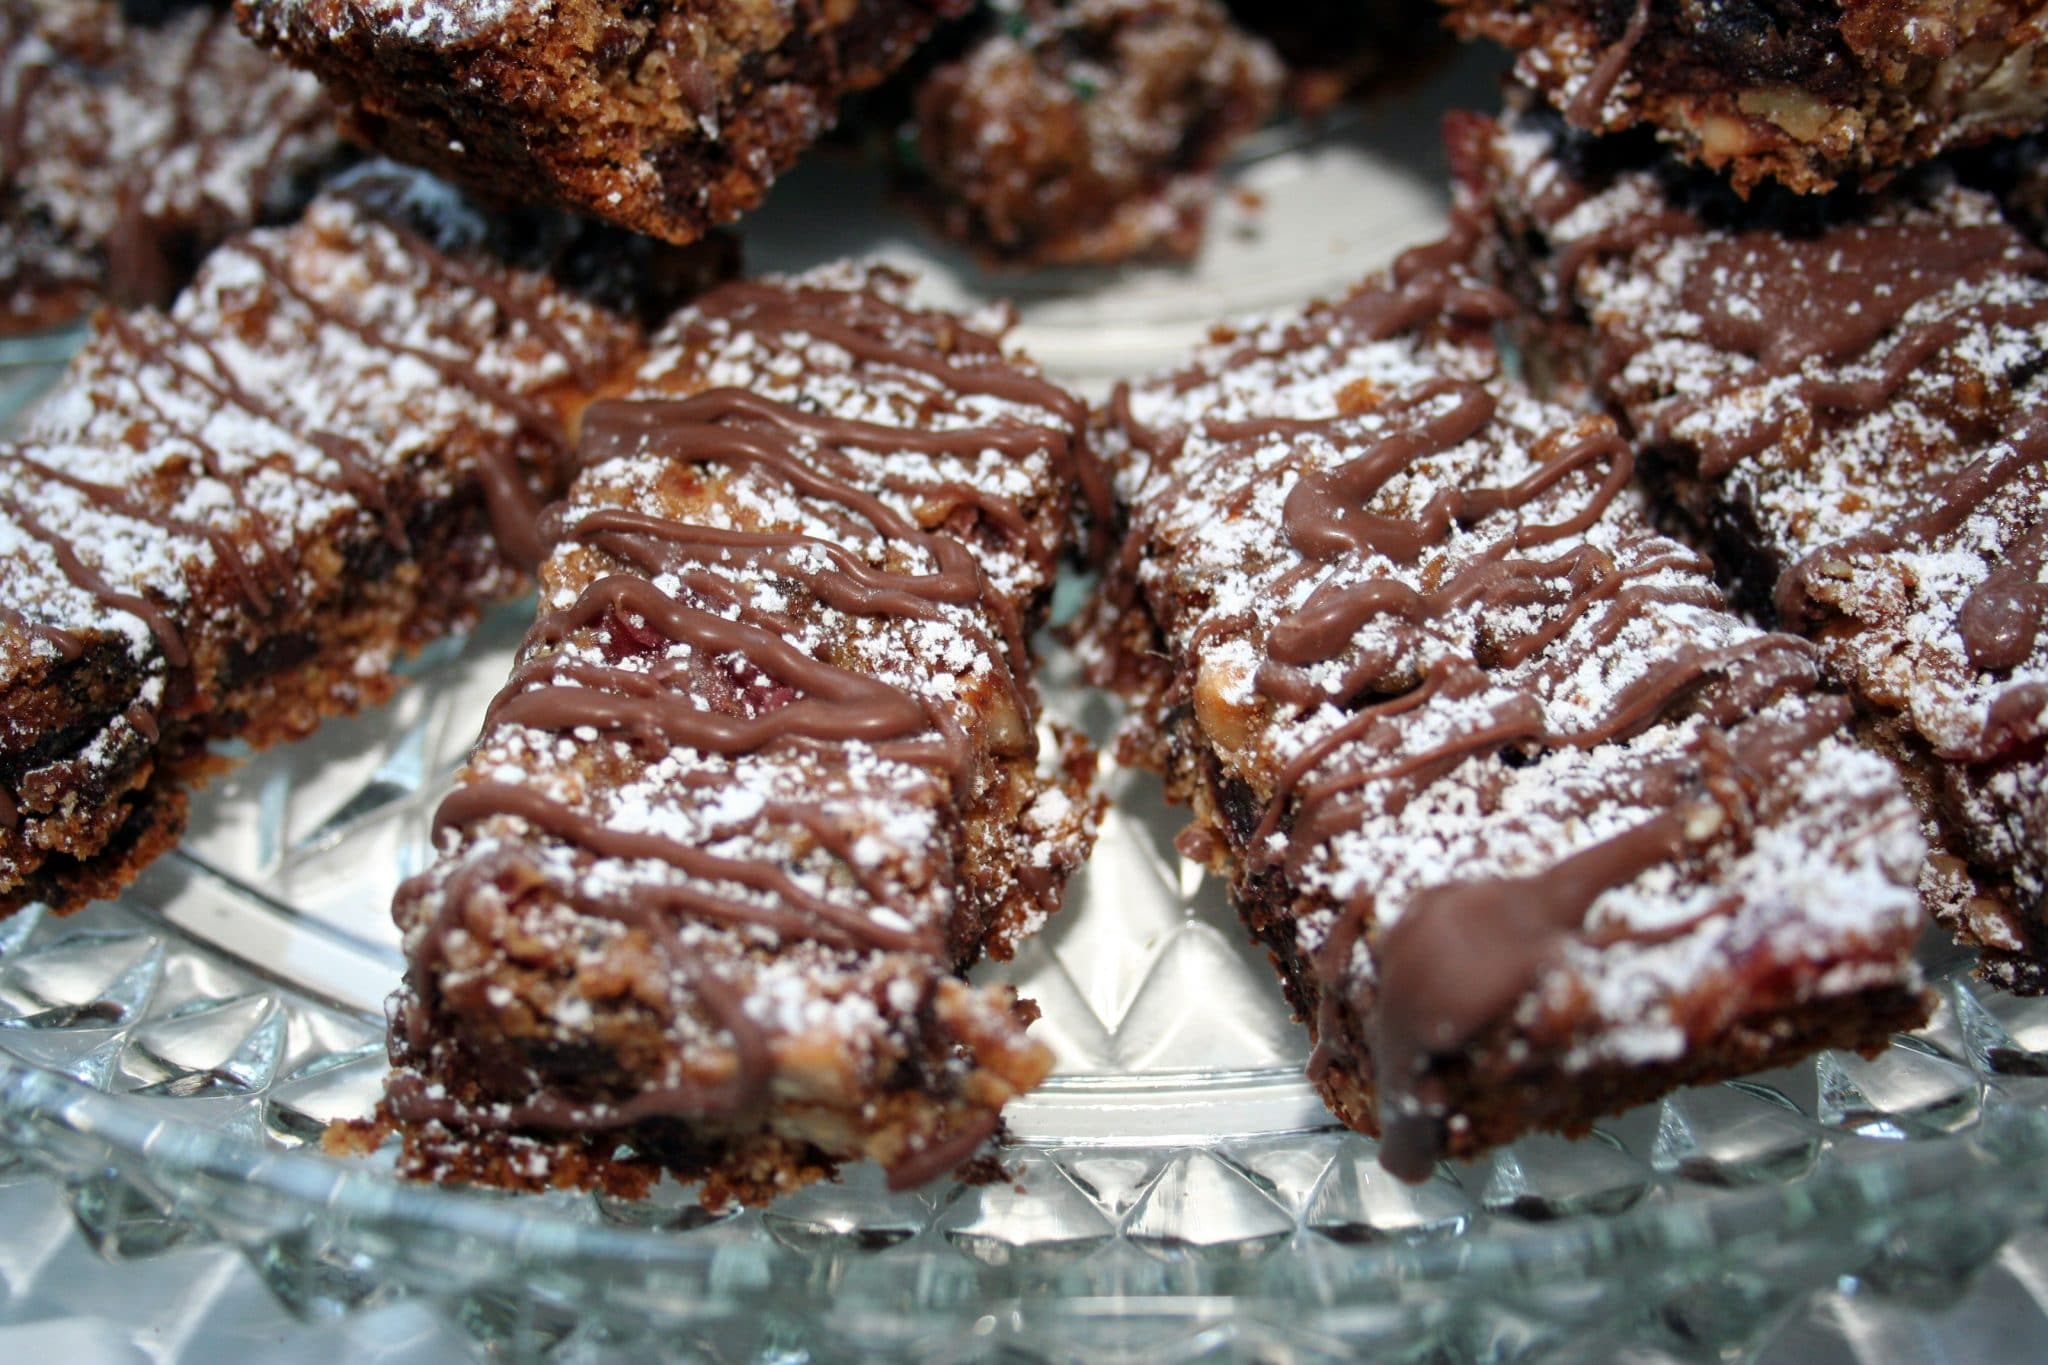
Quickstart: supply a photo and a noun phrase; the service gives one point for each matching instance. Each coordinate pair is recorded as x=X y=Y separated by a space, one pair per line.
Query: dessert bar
x=1812 y=95
x=1088 y=132
x=132 y=138
x=767 y=775
x=1848 y=397
x=228 y=518
x=1533 y=826
x=669 y=119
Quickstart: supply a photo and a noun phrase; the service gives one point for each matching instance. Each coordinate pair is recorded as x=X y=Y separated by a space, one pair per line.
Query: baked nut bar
x=1533 y=826
x=1849 y=398
x=1812 y=95
x=1088 y=132
x=133 y=138
x=766 y=777
x=666 y=118
x=228 y=519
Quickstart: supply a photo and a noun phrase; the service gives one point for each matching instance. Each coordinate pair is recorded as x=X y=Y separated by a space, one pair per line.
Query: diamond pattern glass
x=1175 y=1192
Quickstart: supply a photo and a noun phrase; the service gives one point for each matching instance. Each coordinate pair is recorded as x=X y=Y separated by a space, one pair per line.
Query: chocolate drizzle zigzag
x=132 y=141
x=1849 y=398
x=795 y=580
x=218 y=501
x=1483 y=753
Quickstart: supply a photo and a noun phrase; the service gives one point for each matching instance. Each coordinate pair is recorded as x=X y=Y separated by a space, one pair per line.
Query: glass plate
x=1175 y=1191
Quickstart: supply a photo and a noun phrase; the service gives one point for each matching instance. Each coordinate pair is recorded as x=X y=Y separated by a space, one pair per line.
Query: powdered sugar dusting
x=1476 y=739
x=229 y=480
x=122 y=131
x=1835 y=474
x=826 y=889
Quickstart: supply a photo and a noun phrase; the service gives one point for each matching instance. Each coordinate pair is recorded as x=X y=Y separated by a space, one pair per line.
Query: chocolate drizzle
x=1452 y=591
x=789 y=911
x=1437 y=993
x=939 y=357
x=159 y=341
x=1785 y=300
x=1884 y=312
x=204 y=536
x=513 y=505
x=662 y=640
x=1881 y=481
x=359 y=479
x=511 y=501
x=2001 y=618
x=132 y=138
x=87 y=579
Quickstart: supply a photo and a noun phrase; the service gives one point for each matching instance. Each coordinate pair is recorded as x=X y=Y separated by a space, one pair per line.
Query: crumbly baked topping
x=1811 y=96
x=130 y=146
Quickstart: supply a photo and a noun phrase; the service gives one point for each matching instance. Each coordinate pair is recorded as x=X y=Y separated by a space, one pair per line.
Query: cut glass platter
x=1175 y=1191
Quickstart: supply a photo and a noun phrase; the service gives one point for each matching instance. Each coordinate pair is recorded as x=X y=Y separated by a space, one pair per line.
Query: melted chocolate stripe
x=1537 y=623
x=1792 y=303
x=678 y=430
x=1586 y=105
x=1325 y=517
x=2001 y=618
x=1449 y=676
x=1427 y=1007
x=210 y=458
x=69 y=646
x=109 y=498
x=839 y=704
x=763 y=308
x=413 y=1100
x=1997 y=622
x=530 y=313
